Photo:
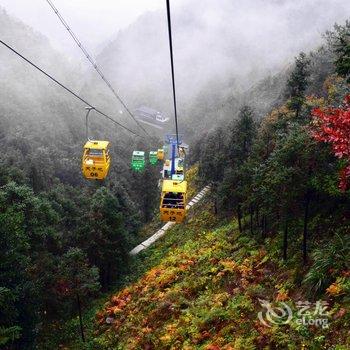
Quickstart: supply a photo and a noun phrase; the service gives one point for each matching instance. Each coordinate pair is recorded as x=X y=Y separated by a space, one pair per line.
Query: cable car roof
x=95 y=144
x=138 y=153
x=174 y=186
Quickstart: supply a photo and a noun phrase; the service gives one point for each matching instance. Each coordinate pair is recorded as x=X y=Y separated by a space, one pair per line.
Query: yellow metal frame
x=173 y=209
x=96 y=167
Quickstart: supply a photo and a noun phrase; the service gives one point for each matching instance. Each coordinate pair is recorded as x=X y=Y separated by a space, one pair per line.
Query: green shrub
x=328 y=261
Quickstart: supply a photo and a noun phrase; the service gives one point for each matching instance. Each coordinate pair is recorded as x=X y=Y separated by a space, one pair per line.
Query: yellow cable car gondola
x=160 y=153
x=173 y=201
x=96 y=159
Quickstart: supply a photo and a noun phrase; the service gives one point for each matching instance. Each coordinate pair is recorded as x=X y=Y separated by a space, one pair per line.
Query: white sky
x=94 y=21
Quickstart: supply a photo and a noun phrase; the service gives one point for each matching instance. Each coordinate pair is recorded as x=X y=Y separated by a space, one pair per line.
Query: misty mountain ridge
x=236 y=47
x=235 y=42
x=33 y=99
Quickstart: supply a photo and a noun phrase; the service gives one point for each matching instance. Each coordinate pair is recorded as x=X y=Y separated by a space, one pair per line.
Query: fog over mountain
x=221 y=48
x=94 y=21
x=235 y=42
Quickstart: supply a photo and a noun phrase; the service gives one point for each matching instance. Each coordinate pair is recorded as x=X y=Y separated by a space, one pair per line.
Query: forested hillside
x=275 y=232
x=270 y=134
x=49 y=214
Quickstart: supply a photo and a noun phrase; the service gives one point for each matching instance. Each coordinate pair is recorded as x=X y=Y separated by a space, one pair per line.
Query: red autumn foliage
x=332 y=125
x=212 y=347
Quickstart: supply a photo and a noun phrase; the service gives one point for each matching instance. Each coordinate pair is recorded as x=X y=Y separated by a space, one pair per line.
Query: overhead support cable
x=172 y=69
x=69 y=90
x=94 y=64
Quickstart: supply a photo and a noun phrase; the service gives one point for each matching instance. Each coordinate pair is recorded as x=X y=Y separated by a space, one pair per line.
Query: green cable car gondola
x=153 y=157
x=138 y=161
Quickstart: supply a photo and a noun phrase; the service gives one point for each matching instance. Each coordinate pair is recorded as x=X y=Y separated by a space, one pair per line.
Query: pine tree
x=242 y=136
x=237 y=175
x=339 y=40
x=77 y=279
x=103 y=235
x=298 y=82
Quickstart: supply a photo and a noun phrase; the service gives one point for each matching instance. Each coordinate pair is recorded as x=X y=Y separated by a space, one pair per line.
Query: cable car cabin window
x=93 y=152
x=177 y=177
x=173 y=200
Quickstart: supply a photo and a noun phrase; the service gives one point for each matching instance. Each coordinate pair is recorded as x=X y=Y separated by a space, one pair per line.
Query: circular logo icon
x=274 y=314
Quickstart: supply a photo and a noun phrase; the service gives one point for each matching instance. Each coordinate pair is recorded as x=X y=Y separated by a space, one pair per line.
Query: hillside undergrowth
x=203 y=290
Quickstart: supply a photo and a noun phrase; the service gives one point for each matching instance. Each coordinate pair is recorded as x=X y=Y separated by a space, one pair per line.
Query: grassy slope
x=201 y=290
